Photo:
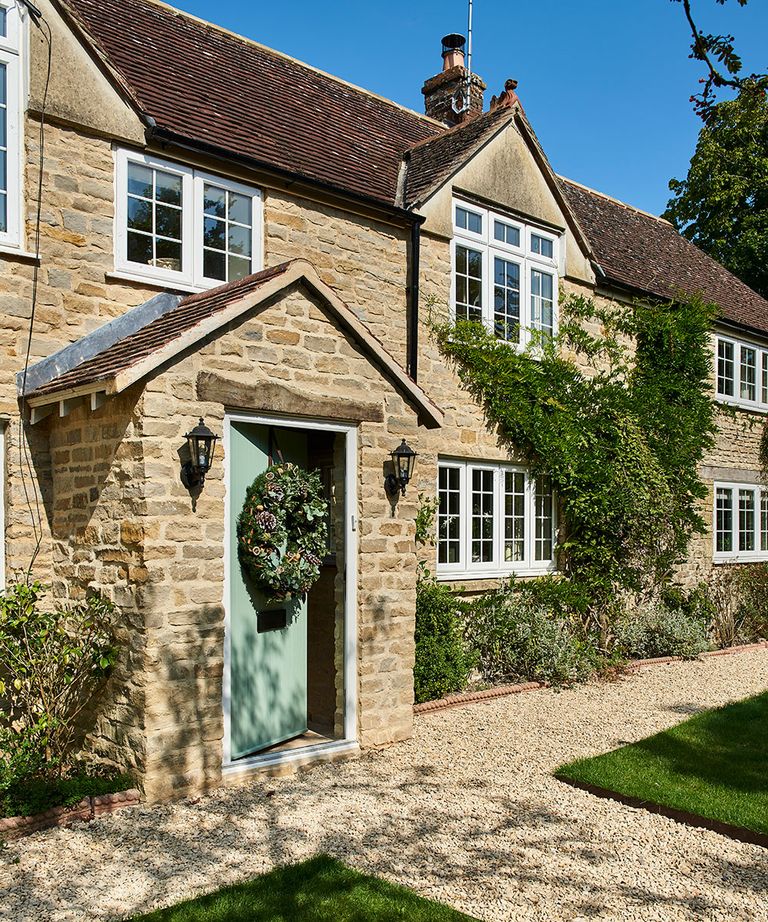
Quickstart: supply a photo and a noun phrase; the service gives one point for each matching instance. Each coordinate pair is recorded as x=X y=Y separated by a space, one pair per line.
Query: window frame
x=465 y=568
x=486 y=244
x=735 y=555
x=192 y=222
x=12 y=55
x=758 y=405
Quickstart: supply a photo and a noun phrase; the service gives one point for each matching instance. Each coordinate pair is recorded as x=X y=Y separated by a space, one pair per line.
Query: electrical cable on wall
x=25 y=460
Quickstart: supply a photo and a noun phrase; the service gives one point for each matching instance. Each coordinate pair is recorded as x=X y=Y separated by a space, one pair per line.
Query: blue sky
x=605 y=83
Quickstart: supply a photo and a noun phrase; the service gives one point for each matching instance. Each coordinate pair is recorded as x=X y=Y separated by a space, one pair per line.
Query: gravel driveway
x=465 y=812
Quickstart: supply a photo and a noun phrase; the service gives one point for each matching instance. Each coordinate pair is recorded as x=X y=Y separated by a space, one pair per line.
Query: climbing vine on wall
x=617 y=409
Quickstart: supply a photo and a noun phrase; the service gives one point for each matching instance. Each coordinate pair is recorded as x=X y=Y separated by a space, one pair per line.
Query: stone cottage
x=195 y=226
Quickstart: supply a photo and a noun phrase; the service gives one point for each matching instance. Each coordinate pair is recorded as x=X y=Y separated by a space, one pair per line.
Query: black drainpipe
x=413 y=292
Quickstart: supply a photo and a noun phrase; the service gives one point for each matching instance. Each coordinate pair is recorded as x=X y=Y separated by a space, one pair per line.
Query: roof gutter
x=157 y=133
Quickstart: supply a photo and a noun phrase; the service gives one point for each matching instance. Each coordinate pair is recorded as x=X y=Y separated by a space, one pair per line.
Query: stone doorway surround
x=286 y=758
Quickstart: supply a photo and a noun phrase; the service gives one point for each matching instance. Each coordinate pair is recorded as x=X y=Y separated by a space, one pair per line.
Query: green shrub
x=752 y=584
x=36 y=795
x=656 y=630
x=443 y=663
x=52 y=661
x=530 y=631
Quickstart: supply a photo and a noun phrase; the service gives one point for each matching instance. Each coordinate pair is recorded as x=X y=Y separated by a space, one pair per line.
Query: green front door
x=268 y=640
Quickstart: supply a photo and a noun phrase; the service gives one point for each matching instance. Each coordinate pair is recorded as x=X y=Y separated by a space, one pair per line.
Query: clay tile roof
x=210 y=87
x=431 y=162
x=131 y=350
x=642 y=252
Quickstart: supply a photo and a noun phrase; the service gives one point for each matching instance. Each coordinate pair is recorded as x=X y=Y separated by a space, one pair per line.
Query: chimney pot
x=453 y=50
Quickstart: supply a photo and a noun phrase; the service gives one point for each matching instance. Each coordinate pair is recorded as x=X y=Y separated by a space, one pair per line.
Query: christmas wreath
x=282 y=531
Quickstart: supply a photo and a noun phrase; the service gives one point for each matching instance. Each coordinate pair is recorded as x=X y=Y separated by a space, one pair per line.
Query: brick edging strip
x=739 y=833
x=14 y=827
x=501 y=691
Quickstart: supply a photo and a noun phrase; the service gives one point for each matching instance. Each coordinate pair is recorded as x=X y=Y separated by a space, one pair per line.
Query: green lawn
x=714 y=765
x=318 y=890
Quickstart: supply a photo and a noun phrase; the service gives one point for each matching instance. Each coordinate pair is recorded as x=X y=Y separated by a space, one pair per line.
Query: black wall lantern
x=202 y=444
x=403 y=460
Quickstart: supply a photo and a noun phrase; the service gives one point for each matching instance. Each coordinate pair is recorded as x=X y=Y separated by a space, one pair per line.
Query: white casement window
x=493 y=520
x=740 y=522
x=177 y=225
x=12 y=43
x=505 y=274
x=741 y=373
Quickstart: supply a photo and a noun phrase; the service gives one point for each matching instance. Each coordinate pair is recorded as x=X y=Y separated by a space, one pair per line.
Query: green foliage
x=531 y=631
x=37 y=794
x=621 y=433
x=722 y=205
x=425 y=520
x=752 y=589
x=52 y=661
x=443 y=664
x=723 y=65
x=656 y=630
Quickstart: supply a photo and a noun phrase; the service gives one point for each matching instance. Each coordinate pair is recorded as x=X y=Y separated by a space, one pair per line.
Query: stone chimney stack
x=445 y=95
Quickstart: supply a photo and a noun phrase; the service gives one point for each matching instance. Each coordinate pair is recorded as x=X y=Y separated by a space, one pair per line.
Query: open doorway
x=289 y=665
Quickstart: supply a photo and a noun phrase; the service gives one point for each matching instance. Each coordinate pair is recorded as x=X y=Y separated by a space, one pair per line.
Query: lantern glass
x=404 y=459
x=202 y=444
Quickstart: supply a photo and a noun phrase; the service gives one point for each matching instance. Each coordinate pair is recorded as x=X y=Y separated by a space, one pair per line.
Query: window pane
x=746 y=520
x=238 y=267
x=168 y=255
x=469 y=284
x=764 y=382
x=469 y=220
x=168 y=188
x=215 y=265
x=506 y=300
x=506 y=233
x=140 y=180
x=214 y=201
x=544 y=520
x=240 y=208
x=449 y=516
x=214 y=233
x=724 y=520
x=542 y=301
x=725 y=376
x=514 y=517
x=140 y=249
x=168 y=222
x=3 y=22
x=482 y=516
x=3 y=211
x=239 y=240
x=139 y=214
x=542 y=246
x=748 y=378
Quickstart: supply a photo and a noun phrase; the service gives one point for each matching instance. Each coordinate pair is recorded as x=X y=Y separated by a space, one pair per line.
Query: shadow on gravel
x=409 y=828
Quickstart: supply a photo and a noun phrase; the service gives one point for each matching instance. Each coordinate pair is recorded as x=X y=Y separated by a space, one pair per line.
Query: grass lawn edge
x=738 y=833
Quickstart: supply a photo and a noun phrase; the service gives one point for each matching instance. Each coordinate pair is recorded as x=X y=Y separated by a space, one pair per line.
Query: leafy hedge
x=443 y=661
